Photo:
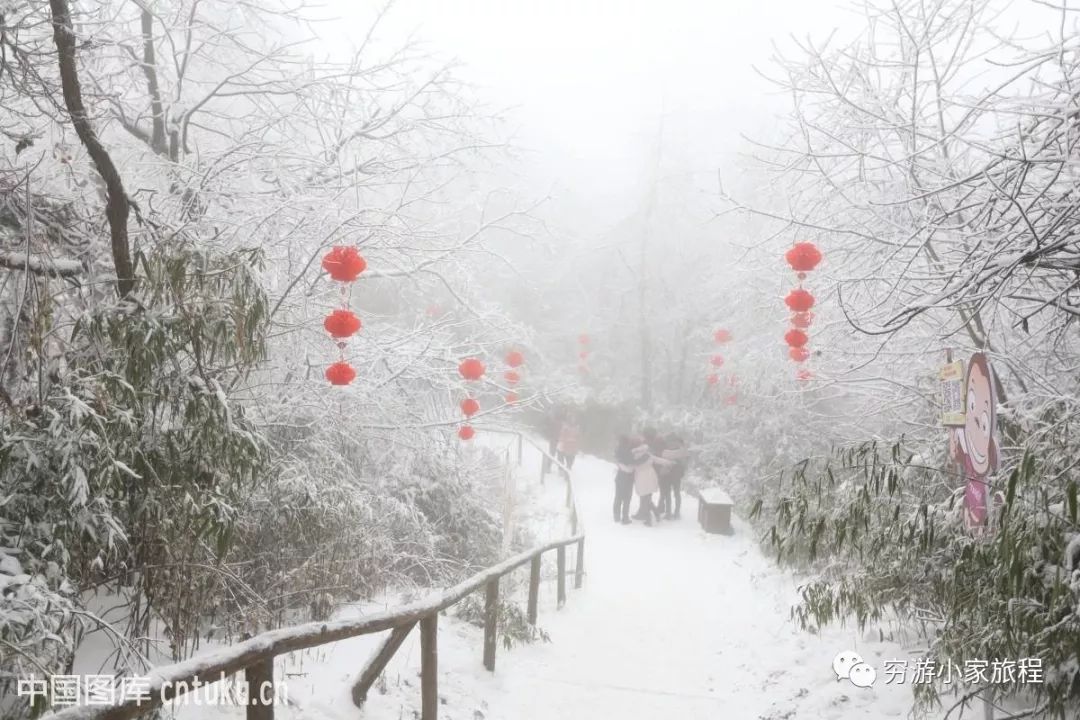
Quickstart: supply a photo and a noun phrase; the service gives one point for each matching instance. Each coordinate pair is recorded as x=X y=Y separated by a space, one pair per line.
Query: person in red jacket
x=569 y=437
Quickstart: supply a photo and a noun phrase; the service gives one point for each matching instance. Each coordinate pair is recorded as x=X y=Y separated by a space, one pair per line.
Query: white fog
x=507 y=360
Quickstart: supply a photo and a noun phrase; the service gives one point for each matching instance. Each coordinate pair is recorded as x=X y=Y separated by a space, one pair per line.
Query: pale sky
x=586 y=79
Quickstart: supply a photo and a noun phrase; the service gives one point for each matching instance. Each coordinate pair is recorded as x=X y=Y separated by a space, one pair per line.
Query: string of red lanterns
x=344 y=265
x=803 y=257
x=471 y=370
x=583 y=353
x=721 y=336
x=515 y=359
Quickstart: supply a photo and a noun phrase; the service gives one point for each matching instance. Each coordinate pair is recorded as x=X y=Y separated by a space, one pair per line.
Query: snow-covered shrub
x=125 y=463
x=36 y=602
x=513 y=624
x=884 y=535
x=343 y=517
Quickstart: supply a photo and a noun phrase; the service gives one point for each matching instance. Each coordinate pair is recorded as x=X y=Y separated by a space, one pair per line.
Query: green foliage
x=342 y=516
x=886 y=537
x=128 y=467
x=513 y=625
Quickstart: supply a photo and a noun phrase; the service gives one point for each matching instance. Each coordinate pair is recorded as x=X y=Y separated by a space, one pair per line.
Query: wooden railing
x=255 y=656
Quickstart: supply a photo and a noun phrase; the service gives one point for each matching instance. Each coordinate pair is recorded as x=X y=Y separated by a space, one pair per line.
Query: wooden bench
x=714 y=511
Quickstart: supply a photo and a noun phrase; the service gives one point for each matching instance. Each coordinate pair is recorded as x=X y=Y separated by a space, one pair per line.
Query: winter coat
x=568 y=440
x=646 y=481
x=552 y=425
x=624 y=461
x=677 y=470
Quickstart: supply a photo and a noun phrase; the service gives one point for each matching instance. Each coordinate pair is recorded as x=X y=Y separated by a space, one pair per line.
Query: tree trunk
x=117 y=206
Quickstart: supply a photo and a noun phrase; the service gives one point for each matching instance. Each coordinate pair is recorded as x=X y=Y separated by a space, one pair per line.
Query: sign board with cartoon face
x=952 y=394
x=974 y=444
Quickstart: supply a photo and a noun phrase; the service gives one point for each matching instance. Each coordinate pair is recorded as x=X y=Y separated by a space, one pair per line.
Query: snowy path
x=671 y=623
x=676 y=623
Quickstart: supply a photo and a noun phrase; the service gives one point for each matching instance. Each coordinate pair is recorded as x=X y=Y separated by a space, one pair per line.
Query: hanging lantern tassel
x=802 y=320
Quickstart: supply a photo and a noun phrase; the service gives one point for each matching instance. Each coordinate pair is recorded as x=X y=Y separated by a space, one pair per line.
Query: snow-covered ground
x=671 y=623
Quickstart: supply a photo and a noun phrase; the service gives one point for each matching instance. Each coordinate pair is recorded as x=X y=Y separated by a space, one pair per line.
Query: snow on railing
x=255 y=656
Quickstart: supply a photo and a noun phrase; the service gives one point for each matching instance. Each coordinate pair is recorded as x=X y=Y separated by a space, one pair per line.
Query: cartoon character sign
x=974 y=444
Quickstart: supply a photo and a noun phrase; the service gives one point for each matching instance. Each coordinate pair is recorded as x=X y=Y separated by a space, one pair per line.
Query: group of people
x=649 y=464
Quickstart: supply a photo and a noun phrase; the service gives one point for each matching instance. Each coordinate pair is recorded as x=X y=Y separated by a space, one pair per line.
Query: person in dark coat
x=624 y=478
x=676 y=452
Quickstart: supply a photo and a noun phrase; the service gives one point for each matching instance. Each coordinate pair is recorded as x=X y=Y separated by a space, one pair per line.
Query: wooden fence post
x=491 y=623
x=378 y=662
x=260 y=683
x=561 y=553
x=534 y=589
x=429 y=667
x=579 y=572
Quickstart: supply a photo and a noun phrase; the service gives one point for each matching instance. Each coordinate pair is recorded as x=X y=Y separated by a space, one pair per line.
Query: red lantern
x=341 y=324
x=340 y=373
x=802 y=320
x=804 y=375
x=799 y=300
x=434 y=311
x=514 y=358
x=344 y=263
x=795 y=338
x=722 y=336
x=471 y=369
x=717 y=360
x=470 y=407
x=712 y=379
x=511 y=398
x=511 y=377
x=466 y=432
x=798 y=354
x=583 y=339
x=731 y=399
x=803 y=257
x=584 y=354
